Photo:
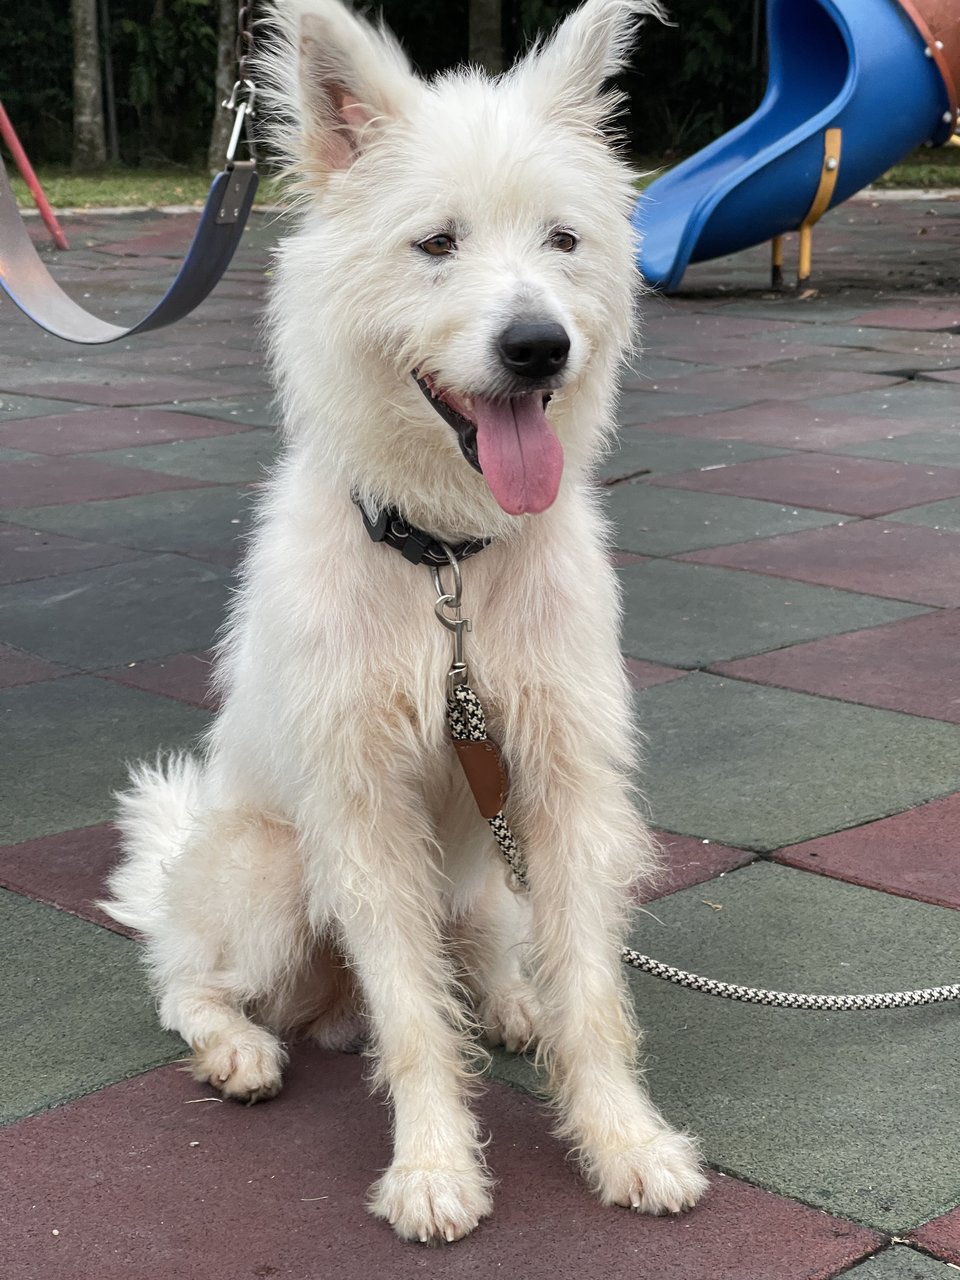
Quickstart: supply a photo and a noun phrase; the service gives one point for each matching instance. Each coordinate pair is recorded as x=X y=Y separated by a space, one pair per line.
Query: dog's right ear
x=336 y=80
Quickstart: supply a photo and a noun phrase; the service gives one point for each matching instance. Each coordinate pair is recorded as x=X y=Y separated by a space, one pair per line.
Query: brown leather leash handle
x=29 y=284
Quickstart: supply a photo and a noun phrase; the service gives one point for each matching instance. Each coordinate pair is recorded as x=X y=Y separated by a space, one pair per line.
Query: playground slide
x=879 y=75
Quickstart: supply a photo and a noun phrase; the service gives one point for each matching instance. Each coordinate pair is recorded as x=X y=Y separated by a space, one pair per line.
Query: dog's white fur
x=328 y=818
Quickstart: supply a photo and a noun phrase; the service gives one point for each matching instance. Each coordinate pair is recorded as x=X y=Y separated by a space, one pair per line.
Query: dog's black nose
x=534 y=348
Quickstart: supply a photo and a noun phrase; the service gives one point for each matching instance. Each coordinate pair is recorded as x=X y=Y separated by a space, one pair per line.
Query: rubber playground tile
x=67 y=870
x=941 y=1236
x=935 y=515
x=233 y=459
x=122 y=613
x=660 y=521
x=75 y=1014
x=207 y=523
x=685 y=615
x=951 y=375
x=851 y=1112
x=36 y=482
x=928 y=404
x=68 y=433
x=906 y=666
x=185 y=676
x=687 y=862
x=178 y=357
x=650 y=451
x=249 y=411
x=939 y=448
x=17 y=668
x=121 y=1175
x=14 y=408
x=26 y=554
x=639 y=407
x=901 y=1263
x=759 y=768
x=749 y=385
x=644 y=675
x=929 y=318
x=827 y=482
x=73 y=739
x=913 y=854
x=787 y=423
x=905 y=562
x=121 y=391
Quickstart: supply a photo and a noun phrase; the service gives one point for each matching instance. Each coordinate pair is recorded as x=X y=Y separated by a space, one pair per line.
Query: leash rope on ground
x=468 y=724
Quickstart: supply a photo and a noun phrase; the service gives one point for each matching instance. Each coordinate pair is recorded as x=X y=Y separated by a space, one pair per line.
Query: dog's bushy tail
x=155 y=816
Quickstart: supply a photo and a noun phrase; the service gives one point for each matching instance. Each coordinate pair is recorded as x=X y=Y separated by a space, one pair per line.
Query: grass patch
x=929 y=167
x=125 y=188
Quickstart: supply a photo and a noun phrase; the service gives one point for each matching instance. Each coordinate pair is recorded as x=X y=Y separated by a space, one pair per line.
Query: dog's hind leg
x=389 y=911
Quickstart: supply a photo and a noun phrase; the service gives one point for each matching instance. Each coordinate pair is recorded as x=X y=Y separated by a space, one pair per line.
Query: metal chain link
x=244 y=43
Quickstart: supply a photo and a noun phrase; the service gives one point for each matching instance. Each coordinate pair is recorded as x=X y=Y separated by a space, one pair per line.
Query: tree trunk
x=486 y=35
x=89 y=144
x=226 y=74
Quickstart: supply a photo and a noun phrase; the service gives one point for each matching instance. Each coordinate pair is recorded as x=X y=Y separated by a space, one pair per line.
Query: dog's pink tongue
x=521 y=458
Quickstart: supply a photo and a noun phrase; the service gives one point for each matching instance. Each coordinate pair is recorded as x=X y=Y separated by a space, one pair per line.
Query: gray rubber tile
x=759 y=768
x=936 y=515
x=67 y=743
x=660 y=522
x=659 y=453
x=854 y=1113
x=251 y=410
x=75 y=1014
x=900 y=1263
x=928 y=448
x=687 y=615
x=929 y=404
x=238 y=459
x=18 y=406
x=195 y=521
x=122 y=613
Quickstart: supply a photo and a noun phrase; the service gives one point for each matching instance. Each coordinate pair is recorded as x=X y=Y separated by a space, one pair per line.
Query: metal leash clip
x=449 y=615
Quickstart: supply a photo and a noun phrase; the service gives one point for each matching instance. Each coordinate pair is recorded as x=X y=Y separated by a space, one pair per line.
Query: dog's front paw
x=431 y=1205
x=510 y=1018
x=663 y=1175
x=245 y=1067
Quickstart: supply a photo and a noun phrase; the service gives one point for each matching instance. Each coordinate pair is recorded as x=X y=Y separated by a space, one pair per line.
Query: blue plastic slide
x=873 y=69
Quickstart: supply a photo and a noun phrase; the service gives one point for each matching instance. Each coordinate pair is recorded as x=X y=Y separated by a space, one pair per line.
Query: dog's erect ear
x=336 y=79
x=569 y=72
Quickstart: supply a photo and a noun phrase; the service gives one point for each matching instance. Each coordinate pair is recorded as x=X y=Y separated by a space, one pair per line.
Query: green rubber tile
x=900 y=1263
x=853 y=1113
x=252 y=410
x=67 y=743
x=662 y=522
x=17 y=406
x=930 y=448
x=235 y=459
x=659 y=453
x=935 y=515
x=121 y=613
x=758 y=768
x=687 y=615
x=196 y=521
x=929 y=404
x=75 y=1014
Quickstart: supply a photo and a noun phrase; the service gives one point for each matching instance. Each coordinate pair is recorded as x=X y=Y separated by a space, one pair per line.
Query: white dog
x=463 y=257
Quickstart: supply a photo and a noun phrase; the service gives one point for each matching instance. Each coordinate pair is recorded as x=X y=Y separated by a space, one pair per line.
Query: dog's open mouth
x=509 y=441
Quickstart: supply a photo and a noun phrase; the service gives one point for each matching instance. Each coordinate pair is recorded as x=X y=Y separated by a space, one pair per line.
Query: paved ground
x=787 y=499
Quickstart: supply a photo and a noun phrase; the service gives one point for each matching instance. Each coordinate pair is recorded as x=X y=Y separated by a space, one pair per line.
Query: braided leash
x=468 y=723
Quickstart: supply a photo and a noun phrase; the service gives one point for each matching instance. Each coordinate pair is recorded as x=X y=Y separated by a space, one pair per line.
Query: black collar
x=413 y=544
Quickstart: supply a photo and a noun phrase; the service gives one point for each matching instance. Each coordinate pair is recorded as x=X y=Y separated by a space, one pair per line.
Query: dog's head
x=466 y=261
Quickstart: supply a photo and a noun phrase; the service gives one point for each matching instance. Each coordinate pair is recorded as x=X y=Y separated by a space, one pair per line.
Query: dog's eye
x=563 y=240
x=438 y=246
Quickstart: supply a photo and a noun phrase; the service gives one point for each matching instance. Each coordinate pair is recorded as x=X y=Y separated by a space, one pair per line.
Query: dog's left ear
x=569 y=72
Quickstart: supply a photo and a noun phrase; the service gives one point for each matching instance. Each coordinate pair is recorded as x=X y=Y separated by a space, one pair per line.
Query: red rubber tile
x=908 y=666
x=929 y=318
x=913 y=854
x=688 y=861
x=621 y=559
x=17 y=667
x=68 y=433
x=644 y=675
x=826 y=482
x=44 y=482
x=787 y=423
x=940 y=375
x=185 y=676
x=28 y=554
x=122 y=392
x=903 y=562
x=941 y=1237
x=68 y=870
x=277 y=1191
